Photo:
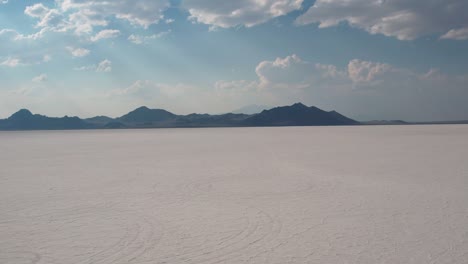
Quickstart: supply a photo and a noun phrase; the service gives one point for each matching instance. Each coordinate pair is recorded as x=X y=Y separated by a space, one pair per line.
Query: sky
x=367 y=59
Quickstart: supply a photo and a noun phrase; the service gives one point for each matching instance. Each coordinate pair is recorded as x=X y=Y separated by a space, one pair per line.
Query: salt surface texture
x=393 y=194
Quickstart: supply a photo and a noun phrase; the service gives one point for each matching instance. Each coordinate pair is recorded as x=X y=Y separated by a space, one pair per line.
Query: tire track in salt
x=141 y=233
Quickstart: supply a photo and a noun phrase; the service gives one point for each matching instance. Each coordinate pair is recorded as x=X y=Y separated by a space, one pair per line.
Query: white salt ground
x=390 y=194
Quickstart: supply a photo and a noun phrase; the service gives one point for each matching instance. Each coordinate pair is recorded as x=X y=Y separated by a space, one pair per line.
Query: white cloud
x=292 y=72
x=82 y=16
x=40 y=78
x=282 y=71
x=36 y=10
x=104 y=66
x=247 y=13
x=50 y=19
x=288 y=72
x=11 y=62
x=8 y=32
x=89 y=13
x=84 y=23
x=24 y=60
x=366 y=71
x=458 y=34
x=139 y=39
x=15 y=35
x=405 y=20
x=78 y=52
x=106 y=34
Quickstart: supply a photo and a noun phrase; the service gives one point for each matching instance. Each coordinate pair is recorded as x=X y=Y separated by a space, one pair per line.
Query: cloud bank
x=405 y=20
x=226 y=14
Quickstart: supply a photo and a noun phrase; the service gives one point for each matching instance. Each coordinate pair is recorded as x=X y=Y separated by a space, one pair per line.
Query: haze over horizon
x=368 y=59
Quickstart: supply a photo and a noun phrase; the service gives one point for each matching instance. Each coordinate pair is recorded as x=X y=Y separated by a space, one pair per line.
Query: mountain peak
x=142 y=108
x=144 y=114
x=298 y=114
x=21 y=114
x=299 y=105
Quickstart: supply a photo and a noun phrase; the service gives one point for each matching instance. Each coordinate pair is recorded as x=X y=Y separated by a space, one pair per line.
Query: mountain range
x=143 y=117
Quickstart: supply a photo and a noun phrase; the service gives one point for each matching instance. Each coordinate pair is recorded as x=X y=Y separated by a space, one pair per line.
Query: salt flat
x=390 y=194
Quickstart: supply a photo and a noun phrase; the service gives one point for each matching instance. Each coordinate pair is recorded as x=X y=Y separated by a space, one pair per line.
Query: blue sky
x=369 y=59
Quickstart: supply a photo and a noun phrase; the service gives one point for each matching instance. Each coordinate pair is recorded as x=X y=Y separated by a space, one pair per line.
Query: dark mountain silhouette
x=25 y=120
x=99 y=120
x=143 y=117
x=298 y=115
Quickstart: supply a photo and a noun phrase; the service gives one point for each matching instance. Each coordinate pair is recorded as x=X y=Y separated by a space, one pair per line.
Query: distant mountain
x=298 y=115
x=25 y=120
x=144 y=117
x=100 y=120
x=250 y=109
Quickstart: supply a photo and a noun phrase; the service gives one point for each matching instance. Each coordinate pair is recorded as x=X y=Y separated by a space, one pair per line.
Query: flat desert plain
x=380 y=194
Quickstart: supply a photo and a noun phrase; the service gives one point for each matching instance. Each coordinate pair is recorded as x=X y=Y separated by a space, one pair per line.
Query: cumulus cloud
x=12 y=34
x=366 y=71
x=36 y=10
x=33 y=36
x=247 y=13
x=40 y=78
x=292 y=72
x=78 y=52
x=405 y=20
x=105 y=34
x=288 y=74
x=89 y=13
x=283 y=72
x=82 y=16
x=104 y=66
x=49 y=18
x=6 y=32
x=458 y=34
